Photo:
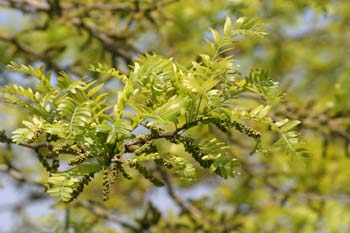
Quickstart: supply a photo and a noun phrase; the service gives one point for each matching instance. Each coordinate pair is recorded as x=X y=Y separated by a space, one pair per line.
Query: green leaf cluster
x=166 y=98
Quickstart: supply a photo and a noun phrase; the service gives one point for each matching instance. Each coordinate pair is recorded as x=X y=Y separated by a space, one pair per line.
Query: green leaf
x=83 y=169
x=288 y=126
x=250 y=27
x=110 y=71
x=36 y=72
x=264 y=111
x=228 y=26
x=281 y=123
x=256 y=110
x=77 y=115
x=216 y=35
x=94 y=90
x=260 y=82
x=61 y=185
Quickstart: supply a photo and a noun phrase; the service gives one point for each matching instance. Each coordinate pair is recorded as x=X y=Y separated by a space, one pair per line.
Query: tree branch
x=33 y=146
x=102 y=213
x=37 y=56
x=94 y=209
x=17 y=175
x=107 y=42
x=193 y=212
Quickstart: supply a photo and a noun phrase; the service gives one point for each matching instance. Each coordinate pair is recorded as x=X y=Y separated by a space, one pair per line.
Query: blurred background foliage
x=307 y=51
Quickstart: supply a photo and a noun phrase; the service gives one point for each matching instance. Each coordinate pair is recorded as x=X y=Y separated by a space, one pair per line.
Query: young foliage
x=250 y=27
x=159 y=94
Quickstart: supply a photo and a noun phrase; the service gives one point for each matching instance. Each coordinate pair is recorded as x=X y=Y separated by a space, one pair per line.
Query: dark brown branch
x=55 y=8
x=122 y=7
x=37 y=56
x=168 y=135
x=193 y=212
x=102 y=213
x=37 y=146
x=22 y=4
x=17 y=175
x=95 y=209
x=107 y=42
x=37 y=4
x=34 y=4
x=112 y=7
x=34 y=146
x=159 y=4
x=21 y=48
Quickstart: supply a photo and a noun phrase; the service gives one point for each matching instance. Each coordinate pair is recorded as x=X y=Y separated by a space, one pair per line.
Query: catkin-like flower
x=117 y=167
x=148 y=147
x=3 y=137
x=35 y=136
x=54 y=165
x=105 y=184
x=225 y=124
x=51 y=137
x=146 y=173
x=78 y=159
x=81 y=185
x=245 y=129
x=43 y=160
x=114 y=172
x=195 y=151
x=164 y=163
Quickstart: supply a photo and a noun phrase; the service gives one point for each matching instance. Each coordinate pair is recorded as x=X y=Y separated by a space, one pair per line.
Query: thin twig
x=193 y=212
x=102 y=213
x=31 y=53
x=107 y=42
x=34 y=146
x=67 y=219
x=17 y=175
x=95 y=209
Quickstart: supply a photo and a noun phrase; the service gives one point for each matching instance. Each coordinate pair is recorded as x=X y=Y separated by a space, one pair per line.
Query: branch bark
x=193 y=212
x=102 y=213
x=94 y=209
